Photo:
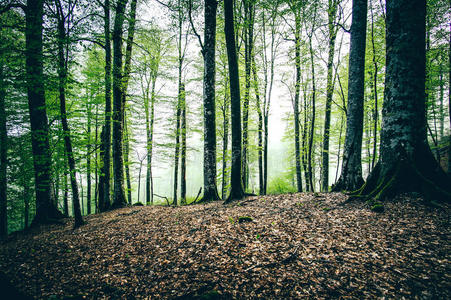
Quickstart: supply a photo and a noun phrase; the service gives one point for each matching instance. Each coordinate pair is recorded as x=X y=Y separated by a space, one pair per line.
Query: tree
x=105 y=134
x=3 y=152
x=45 y=206
x=127 y=70
x=63 y=45
x=236 y=191
x=208 y=52
x=351 y=171
x=406 y=162
x=118 y=107
x=333 y=29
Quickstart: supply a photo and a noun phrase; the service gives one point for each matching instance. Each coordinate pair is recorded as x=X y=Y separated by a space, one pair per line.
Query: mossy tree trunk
x=406 y=162
x=45 y=208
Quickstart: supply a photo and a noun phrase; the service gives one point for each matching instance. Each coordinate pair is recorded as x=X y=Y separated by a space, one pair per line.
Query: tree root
x=422 y=175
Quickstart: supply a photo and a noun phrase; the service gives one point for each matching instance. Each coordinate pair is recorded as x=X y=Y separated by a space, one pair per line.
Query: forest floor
x=292 y=246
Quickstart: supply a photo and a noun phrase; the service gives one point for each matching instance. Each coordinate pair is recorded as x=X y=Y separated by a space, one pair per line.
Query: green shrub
x=280 y=185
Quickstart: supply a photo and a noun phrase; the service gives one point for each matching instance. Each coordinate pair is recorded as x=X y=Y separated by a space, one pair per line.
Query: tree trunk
x=406 y=162
x=177 y=143
x=127 y=70
x=236 y=192
x=297 y=152
x=332 y=12
x=45 y=210
x=88 y=160
x=118 y=122
x=62 y=76
x=127 y=158
x=225 y=140
x=105 y=134
x=248 y=44
x=183 y=148
x=3 y=155
x=351 y=172
x=210 y=187
x=312 y=122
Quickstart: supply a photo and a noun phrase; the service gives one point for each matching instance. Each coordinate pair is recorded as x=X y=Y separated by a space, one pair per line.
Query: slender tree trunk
x=127 y=158
x=96 y=158
x=149 y=128
x=236 y=192
x=297 y=40
x=3 y=155
x=183 y=148
x=312 y=122
x=351 y=172
x=209 y=50
x=261 y=185
x=45 y=210
x=127 y=70
x=88 y=162
x=449 y=97
x=105 y=135
x=118 y=159
x=26 y=197
x=66 y=193
x=332 y=12
x=376 y=109
x=62 y=75
x=225 y=141
x=177 y=143
x=248 y=44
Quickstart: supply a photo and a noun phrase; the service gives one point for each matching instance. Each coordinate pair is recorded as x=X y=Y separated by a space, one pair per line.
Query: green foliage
x=280 y=185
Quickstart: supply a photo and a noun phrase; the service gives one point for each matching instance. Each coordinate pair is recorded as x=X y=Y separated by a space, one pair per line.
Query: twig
x=198 y=194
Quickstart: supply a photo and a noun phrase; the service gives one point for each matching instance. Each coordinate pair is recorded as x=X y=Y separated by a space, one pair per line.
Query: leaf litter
x=278 y=247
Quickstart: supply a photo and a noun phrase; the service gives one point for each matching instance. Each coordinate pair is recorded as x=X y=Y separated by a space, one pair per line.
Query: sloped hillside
x=286 y=246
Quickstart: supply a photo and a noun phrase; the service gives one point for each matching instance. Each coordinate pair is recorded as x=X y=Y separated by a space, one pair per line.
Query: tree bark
x=351 y=172
x=406 y=162
x=127 y=70
x=62 y=76
x=88 y=160
x=45 y=209
x=105 y=134
x=183 y=148
x=118 y=115
x=236 y=192
x=3 y=155
x=297 y=59
x=332 y=12
x=210 y=186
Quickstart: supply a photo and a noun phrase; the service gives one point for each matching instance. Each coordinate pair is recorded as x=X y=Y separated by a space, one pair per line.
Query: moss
x=138 y=204
x=377 y=207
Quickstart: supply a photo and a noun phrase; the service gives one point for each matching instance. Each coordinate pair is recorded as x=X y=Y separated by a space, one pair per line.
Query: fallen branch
x=163 y=197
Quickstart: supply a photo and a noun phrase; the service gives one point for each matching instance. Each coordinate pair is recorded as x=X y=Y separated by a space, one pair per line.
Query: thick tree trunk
x=210 y=186
x=332 y=12
x=3 y=155
x=236 y=192
x=105 y=135
x=406 y=162
x=351 y=172
x=297 y=149
x=118 y=122
x=45 y=210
